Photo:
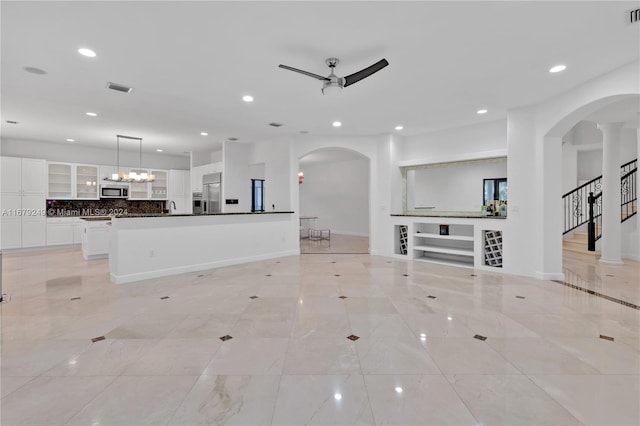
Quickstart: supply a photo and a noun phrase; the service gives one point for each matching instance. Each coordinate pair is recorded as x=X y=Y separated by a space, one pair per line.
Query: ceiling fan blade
x=357 y=76
x=310 y=74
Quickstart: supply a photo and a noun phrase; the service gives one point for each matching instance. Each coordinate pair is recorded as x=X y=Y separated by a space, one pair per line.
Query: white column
x=611 y=229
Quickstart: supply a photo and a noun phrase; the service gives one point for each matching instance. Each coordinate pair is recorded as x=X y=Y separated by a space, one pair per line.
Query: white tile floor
x=289 y=362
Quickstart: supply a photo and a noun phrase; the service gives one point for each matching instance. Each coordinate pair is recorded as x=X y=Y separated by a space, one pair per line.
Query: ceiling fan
x=332 y=81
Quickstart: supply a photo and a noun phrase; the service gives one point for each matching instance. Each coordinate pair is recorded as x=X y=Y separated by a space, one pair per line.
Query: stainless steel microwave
x=114 y=191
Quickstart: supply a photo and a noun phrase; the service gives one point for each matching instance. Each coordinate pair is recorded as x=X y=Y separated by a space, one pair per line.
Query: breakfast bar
x=152 y=246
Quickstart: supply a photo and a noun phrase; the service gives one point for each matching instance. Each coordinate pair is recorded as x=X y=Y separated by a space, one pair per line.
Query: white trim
x=549 y=276
x=353 y=234
x=452 y=158
x=121 y=279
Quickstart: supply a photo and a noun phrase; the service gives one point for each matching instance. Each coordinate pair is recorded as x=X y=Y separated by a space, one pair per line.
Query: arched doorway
x=604 y=110
x=333 y=201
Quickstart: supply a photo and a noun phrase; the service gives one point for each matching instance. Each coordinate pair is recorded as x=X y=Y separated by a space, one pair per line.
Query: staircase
x=579 y=208
x=578 y=244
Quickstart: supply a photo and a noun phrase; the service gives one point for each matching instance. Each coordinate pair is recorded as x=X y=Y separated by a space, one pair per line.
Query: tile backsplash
x=106 y=207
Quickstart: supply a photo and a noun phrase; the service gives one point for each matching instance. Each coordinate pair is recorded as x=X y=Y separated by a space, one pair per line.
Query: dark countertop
x=191 y=214
x=452 y=216
x=96 y=218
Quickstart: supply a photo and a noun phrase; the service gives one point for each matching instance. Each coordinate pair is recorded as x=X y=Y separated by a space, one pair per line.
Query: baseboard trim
x=549 y=276
x=127 y=278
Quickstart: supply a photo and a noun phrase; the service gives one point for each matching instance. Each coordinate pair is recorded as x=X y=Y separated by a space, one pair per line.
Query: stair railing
x=628 y=204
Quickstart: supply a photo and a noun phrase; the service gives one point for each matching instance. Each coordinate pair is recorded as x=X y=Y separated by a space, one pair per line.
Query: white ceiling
x=191 y=62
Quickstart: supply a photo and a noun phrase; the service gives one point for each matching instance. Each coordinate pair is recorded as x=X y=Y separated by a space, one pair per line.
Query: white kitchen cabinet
x=180 y=190
x=72 y=181
x=11 y=173
x=23 y=202
x=87 y=181
x=160 y=185
x=95 y=239
x=64 y=230
x=60 y=181
x=77 y=230
x=138 y=190
x=59 y=231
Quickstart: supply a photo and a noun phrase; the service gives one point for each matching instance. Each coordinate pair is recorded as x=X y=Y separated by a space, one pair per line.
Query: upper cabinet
x=160 y=186
x=60 y=180
x=87 y=182
x=72 y=181
x=139 y=190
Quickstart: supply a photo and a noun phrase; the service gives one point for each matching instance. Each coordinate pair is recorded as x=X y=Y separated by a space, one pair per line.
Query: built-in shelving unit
x=444 y=243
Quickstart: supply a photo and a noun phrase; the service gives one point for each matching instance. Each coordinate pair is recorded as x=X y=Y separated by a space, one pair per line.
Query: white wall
x=278 y=172
x=200 y=158
x=338 y=193
x=483 y=140
x=454 y=187
x=235 y=177
x=71 y=153
x=589 y=165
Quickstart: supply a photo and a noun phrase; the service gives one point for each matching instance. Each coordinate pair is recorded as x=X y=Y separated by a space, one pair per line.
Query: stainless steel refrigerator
x=211 y=193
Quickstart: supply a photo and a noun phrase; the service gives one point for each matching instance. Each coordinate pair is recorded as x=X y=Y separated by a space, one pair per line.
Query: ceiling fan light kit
x=333 y=84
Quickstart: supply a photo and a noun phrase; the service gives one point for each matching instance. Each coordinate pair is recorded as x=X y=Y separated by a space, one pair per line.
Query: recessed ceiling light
x=232 y=139
x=337 y=124
x=337 y=396
x=398 y=389
x=159 y=150
x=204 y=134
x=399 y=127
x=482 y=111
x=87 y=52
x=247 y=98
x=304 y=132
x=71 y=140
x=34 y=70
x=92 y=114
x=558 y=68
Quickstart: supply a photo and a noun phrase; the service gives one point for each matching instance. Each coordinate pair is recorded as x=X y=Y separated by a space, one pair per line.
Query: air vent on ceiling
x=119 y=87
x=276 y=124
x=11 y=122
x=232 y=139
x=34 y=70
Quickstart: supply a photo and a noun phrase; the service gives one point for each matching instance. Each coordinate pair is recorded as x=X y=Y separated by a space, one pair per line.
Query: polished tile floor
x=338 y=243
x=418 y=356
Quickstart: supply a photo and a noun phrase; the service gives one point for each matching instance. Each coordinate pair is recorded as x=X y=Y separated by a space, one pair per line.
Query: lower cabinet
x=63 y=231
x=95 y=239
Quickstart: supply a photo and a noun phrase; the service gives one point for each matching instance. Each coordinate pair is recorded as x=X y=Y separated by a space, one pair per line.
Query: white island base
x=156 y=246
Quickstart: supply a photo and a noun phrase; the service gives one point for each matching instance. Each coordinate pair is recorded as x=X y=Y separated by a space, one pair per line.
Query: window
x=495 y=189
x=257 y=195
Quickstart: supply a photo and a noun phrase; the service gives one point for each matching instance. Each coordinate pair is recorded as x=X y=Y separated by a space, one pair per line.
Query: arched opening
x=574 y=145
x=333 y=201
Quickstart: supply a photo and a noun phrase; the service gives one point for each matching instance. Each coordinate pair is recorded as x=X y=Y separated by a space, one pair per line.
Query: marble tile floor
x=289 y=362
x=338 y=243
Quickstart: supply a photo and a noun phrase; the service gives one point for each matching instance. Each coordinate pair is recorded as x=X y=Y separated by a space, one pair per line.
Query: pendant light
x=134 y=177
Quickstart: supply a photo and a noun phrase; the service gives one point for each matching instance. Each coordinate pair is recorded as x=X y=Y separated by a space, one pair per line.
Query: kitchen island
x=151 y=246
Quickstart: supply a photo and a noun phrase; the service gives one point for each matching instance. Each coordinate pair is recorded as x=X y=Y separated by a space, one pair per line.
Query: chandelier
x=133 y=177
